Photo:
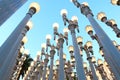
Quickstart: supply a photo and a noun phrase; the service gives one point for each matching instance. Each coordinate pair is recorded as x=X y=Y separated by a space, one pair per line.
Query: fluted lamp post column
x=10 y=42
x=115 y=2
x=73 y=24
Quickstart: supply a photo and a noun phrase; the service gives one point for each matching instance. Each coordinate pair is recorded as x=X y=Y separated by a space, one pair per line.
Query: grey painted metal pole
x=61 y=66
x=91 y=66
x=14 y=51
x=44 y=73
x=10 y=42
x=52 y=52
x=78 y=58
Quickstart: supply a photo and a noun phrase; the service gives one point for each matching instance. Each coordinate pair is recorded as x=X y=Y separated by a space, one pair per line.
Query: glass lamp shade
x=85 y=64
x=21 y=49
x=48 y=36
x=65 y=66
x=43 y=45
x=63 y=12
x=118 y=47
x=38 y=53
x=29 y=68
x=27 y=72
x=89 y=44
x=112 y=21
x=54 y=67
x=79 y=39
x=70 y=48
x=24 y=39
x=74 y=18
x=64 y=56
x=114 y=43
x=73 y=74
x=101 y=15
x=55 y=25
x=35 y=59
x=99 y=62
x=36 y=6
x=29 y=24
x=88 y=28
x=101 y=52
x=85 y=4
x=114 y=2
x=26 y=52
x=57 y=62
x=48 y=72
x=32 y=63
x=65 y=30
x=105 y=63
x=73 y=60
x=88 y=77
x=93 y=59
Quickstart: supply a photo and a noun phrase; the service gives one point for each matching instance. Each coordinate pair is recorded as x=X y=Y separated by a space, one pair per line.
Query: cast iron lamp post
x=73 y=24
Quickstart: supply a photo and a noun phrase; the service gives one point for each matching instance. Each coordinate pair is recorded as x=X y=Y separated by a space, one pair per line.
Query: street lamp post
x=17 y=46
x=7 y=46
x=73 y=24
x=60 y=41
x=109 y=48
x=88 y=49
x=52 y=52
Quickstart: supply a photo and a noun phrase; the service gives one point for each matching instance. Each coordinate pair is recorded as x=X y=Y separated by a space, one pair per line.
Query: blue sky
x=50 y=13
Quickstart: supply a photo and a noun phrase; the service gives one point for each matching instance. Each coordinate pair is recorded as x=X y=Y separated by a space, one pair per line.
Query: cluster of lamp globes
x=114 y=2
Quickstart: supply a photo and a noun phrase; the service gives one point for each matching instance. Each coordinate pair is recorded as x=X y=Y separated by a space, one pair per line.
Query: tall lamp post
x=73 y=24
x=52 y=53
x=88 y=49
x=109 y=48
x=89 y=30
x=11 y=42
x=61 y=39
